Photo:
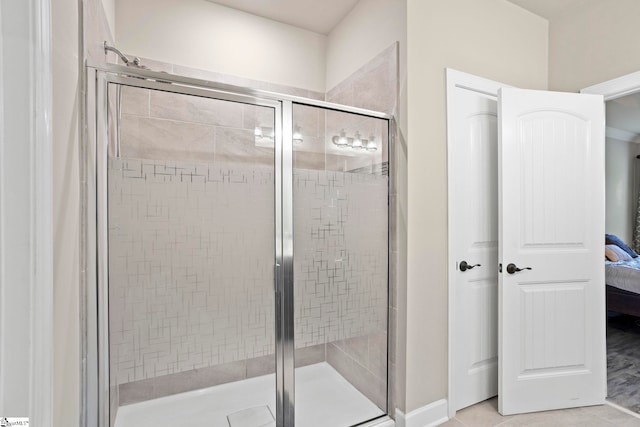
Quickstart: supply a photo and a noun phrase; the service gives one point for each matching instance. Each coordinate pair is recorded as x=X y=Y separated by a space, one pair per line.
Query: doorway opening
x=544 y=227
x=622 y=177
x=622 y=266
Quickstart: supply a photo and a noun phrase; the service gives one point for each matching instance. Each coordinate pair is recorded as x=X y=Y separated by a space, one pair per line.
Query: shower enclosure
x=237 y=264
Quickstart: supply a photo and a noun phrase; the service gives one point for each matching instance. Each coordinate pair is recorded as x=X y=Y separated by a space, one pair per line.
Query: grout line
x=503 y=423
x=189 y=122
x=460 y=421
x=621 y=409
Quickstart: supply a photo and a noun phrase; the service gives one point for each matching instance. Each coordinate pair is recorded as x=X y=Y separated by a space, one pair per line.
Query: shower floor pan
x=323 y=398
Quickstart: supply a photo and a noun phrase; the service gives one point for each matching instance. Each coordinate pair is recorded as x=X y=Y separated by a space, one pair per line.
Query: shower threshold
x=323 y=398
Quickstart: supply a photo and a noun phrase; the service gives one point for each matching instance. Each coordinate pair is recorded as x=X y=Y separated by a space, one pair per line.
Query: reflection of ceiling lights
x=262 y=131
x=356 y=143
x=265 y=135
x=297 y=136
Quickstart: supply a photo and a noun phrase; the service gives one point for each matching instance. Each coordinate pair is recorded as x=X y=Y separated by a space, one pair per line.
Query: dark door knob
x=511 y=268
x=464 y=266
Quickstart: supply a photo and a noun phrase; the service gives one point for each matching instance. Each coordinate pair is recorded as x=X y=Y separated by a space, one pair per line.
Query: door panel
x=191 y=247
x=474 y=236
x=552 y=143
x=340 y=206
x=559 y=342
x=551 y=317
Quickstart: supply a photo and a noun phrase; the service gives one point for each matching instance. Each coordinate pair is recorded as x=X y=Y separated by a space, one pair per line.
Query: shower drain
x=258 y=416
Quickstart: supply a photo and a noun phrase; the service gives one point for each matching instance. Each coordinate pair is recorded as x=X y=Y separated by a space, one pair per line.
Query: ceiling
x=319 y=16
x=552 y=9
x=322 y=16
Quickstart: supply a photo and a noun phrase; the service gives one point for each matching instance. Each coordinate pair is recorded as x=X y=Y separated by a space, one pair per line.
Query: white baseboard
x=430 y=415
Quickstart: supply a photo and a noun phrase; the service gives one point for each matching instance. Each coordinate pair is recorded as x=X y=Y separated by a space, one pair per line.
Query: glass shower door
x=191 y=250
x=340 y=224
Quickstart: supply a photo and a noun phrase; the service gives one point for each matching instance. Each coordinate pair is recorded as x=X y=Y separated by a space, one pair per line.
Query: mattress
x=623 y=275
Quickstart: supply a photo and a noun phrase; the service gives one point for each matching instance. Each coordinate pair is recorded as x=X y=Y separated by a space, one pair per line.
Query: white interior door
x=473 y=228
x=551 y=220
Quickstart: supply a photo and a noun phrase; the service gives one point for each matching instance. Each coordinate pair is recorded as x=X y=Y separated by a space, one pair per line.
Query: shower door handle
x=276 y=266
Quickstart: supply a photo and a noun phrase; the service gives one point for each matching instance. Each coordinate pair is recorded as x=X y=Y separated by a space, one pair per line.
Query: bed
x=623 y=286
x=622 y=276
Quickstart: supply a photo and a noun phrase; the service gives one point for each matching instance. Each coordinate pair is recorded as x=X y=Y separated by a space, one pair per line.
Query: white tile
x=259 y=416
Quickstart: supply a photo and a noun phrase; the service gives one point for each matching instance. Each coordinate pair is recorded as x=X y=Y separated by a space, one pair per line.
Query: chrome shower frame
x=95 y=381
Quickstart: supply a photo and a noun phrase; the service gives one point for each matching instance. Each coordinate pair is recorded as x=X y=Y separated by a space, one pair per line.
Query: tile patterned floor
x=485 y=414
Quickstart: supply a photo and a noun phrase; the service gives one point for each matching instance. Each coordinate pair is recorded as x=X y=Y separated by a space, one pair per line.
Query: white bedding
x=623 y=274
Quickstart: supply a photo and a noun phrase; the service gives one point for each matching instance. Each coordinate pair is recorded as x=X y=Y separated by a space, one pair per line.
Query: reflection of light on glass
x=297 y=136
x=357 y=142
x=264 y=136
x=340 y=140
x=371 y=145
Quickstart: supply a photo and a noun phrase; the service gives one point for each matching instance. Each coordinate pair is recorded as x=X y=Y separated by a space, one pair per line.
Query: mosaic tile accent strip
x=191 y=250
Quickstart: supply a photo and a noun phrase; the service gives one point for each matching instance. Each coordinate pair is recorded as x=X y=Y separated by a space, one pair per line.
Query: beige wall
x=66 y=211
x=110 y=14
x=620 y=173
x=490 y=38
x=205 y=35
x=596 y=43
x=371 y=27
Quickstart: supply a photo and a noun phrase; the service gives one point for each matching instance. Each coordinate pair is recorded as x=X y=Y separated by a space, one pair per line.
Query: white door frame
x=616 y=88
x=457 y=79
x=26 y=242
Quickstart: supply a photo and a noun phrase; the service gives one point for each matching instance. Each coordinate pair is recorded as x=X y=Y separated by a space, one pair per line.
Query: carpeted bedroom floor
x=623 y=361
